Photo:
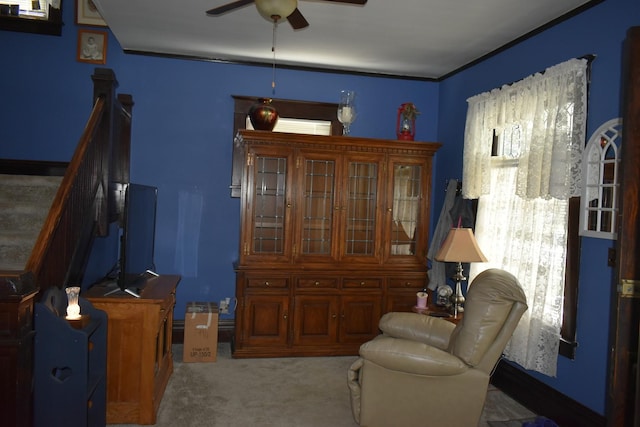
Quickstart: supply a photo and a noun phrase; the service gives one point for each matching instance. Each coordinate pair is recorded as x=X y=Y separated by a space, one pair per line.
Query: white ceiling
x=415 y=38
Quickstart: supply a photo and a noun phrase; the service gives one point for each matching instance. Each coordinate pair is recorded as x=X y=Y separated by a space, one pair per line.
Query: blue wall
x=182 y=131
x=600 y=31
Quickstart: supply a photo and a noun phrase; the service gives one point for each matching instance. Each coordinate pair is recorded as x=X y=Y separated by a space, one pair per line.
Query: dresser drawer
x=268 y=283
x=317 y=282
x=361 y=283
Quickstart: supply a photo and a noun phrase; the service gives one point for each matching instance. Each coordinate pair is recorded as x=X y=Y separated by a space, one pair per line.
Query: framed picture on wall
x=92 y=46
x=87 y=14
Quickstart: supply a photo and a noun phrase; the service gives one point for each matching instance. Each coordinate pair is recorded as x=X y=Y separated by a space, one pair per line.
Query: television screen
x=138 y=237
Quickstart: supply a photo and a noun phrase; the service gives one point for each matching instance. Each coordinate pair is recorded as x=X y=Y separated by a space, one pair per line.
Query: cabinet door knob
x=333 y=316
x=362 y=283
x=317 y=283
x=285 y=316
x=408 y=284
x=266 y=283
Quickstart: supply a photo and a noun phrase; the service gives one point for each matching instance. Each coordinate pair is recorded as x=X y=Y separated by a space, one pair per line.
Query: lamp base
x=457 y=299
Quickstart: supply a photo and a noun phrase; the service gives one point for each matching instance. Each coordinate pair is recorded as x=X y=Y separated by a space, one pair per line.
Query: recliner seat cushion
x=412 y=357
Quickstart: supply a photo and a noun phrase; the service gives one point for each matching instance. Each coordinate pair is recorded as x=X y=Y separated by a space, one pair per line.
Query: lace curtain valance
x=549 y=109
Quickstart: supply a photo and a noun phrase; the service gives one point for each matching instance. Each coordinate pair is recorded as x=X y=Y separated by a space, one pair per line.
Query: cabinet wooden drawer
x=408 y=282
x=351 y=283
x=268 y=283
x=316 y=283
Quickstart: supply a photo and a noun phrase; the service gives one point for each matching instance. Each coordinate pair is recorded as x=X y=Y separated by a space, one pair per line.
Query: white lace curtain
x=549 y=112
x=523 y=189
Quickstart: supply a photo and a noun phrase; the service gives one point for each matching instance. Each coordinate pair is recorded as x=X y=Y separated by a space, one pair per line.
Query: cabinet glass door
x=269 y=206
x=318 y=194
x=407 y=193
x=270 y=198
x=406 y=232
x=361 y=237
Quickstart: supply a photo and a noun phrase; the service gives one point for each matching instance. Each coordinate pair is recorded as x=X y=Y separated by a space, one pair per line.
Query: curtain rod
x=589 y=57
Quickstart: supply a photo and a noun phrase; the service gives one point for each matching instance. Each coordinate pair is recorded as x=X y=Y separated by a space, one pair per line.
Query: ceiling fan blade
x=296 y=20
x=228 y=7
x=348 y=1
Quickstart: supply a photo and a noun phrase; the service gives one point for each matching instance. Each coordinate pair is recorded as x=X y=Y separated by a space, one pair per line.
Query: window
x=304 y=126
x=524 y=189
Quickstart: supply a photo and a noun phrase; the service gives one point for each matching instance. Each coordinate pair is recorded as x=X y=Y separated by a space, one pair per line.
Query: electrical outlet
x=224 y=307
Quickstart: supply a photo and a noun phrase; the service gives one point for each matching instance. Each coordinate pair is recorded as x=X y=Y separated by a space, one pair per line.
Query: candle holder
x=347 y=110
x=73 y=316
x=73 y=308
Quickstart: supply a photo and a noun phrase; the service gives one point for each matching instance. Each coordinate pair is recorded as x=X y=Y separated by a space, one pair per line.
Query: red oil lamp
x=406 y=121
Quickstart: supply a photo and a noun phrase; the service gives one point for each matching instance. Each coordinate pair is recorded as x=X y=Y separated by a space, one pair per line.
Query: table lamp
x=459 y=246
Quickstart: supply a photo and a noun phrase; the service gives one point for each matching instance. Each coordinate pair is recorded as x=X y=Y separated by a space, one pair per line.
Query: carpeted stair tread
x=25 y=201
x=37 y=190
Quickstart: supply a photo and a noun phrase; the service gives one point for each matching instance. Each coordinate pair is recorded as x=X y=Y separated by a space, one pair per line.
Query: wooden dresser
x=334 y=233
x=139 y=356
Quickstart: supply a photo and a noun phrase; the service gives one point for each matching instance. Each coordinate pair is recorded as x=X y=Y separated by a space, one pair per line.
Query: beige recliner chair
x=426 y=371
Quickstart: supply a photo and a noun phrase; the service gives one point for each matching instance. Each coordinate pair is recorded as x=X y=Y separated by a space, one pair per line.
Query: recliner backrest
x=494 y=305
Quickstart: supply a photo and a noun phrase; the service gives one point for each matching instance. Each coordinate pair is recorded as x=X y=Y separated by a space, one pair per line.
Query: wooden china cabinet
x=334 y=233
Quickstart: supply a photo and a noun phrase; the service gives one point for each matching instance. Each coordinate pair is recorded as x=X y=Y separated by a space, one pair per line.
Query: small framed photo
x=87 y=14
x=92 y=46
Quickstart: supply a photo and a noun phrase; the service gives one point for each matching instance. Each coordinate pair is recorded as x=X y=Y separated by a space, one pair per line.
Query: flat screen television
x=137 y=239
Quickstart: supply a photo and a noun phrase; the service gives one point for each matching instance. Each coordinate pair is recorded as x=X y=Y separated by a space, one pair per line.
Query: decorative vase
x=263 y=115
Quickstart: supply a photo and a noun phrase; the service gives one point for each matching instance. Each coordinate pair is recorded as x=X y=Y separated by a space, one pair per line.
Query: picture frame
x=92 y=46
x=87 y=14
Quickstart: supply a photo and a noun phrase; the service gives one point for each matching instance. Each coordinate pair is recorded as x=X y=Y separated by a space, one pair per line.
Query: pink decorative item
x=422 y=299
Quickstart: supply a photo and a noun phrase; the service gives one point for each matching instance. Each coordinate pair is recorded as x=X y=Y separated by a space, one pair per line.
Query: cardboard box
x=201 y=332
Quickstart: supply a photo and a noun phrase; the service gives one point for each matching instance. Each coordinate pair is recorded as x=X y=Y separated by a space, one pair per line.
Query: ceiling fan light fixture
x=276 y=9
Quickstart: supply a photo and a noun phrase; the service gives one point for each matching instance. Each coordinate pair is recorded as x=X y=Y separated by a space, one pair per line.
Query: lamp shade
x=460 y=246
x=278 y=8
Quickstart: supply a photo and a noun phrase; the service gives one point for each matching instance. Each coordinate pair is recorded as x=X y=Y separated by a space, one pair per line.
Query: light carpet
x=282 y=392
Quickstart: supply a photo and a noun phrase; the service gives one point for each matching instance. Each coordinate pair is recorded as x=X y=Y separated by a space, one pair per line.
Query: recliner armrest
x=412 y=357
x=417 y=327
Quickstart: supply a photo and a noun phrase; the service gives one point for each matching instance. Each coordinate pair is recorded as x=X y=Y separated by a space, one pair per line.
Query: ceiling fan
x=274 y=10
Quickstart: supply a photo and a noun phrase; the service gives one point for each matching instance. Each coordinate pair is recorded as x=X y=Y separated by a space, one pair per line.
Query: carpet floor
x=279 y=392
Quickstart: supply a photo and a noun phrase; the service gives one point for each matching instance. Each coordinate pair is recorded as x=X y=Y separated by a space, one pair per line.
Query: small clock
x=443 y=296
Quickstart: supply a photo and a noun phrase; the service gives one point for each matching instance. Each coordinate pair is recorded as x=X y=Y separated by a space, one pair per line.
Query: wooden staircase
x=50 y=215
